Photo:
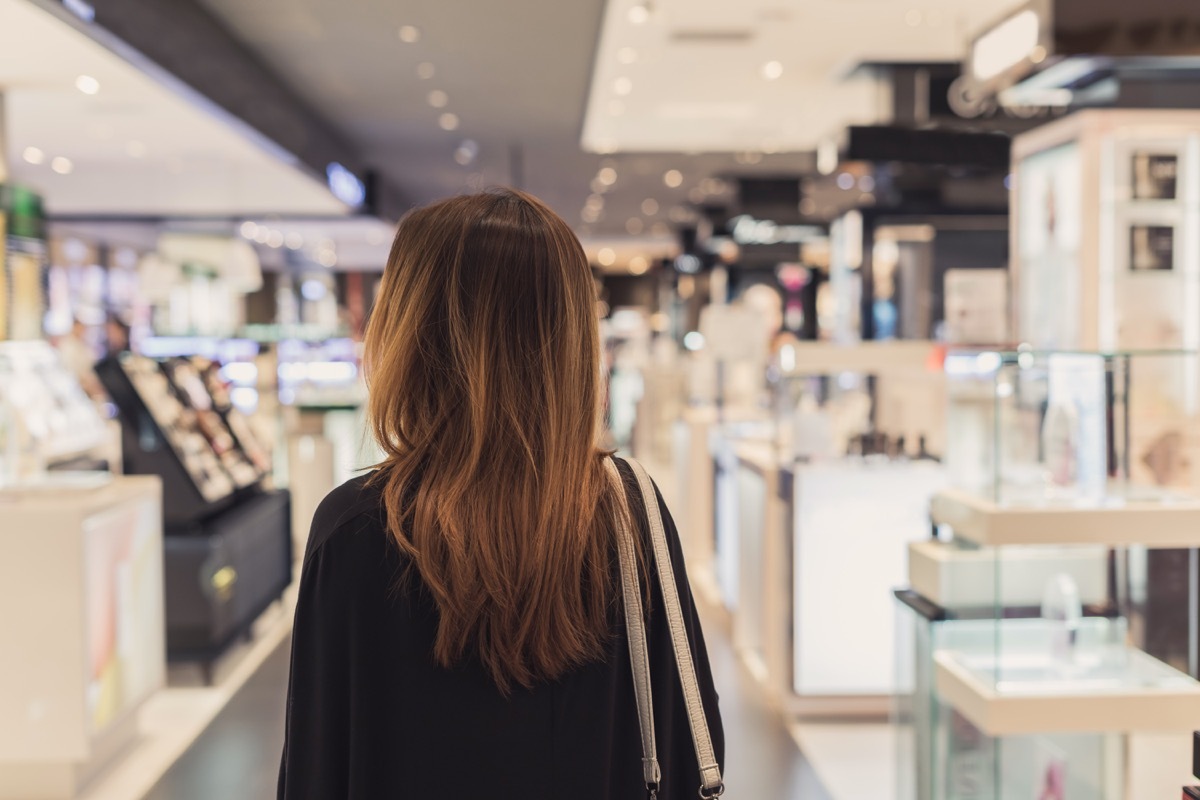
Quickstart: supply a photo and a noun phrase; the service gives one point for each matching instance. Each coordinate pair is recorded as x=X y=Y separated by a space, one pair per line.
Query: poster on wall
x=1155 y=176
x=1151 y=248
x=123 y=589
x=1050 y=217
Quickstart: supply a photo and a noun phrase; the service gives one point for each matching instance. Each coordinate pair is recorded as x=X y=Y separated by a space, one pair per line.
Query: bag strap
x=711 y=784
x=635 y=629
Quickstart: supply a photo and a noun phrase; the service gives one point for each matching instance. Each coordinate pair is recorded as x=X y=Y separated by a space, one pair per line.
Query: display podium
x=81 y=579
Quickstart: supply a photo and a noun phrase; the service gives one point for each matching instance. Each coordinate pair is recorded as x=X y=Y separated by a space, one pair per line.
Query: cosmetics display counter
x=1033 y=661
x=228 y=544
x=81 y=577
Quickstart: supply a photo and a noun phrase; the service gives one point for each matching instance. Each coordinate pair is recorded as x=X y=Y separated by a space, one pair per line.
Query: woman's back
x=458 y=628
x=371 y=715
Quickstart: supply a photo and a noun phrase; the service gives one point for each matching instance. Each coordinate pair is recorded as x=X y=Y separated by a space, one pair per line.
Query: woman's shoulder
x=354 y=507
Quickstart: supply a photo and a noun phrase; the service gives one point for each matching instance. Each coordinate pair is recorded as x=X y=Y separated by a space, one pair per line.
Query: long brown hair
x=483 y=364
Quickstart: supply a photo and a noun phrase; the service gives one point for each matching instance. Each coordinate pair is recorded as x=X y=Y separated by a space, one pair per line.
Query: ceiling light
x=1007 y=44
x=634 y=226
x=598 y=187
x=467 y=152
x=713 y=185
x=660 y=229
x=615 y=108
x=595 y=201
x=293 y=240
x=327 y=258
x=33 y=155
x=438 y=98
x=638 y=14
x=649 y=206
x=866 y=183
x=622 y=86
x=448 y=121
x=425 y=70
x=627 y=55
x=135 y=149
x=772 y=70
x=607 y=176
x=249 y=229
x=409 y=34
x=590 y=215
x=275 y=239
x=845 y=181
x=638 y=265
x=913 y=18
x=673 y=178
x=62 y=166
x=697 y=194
x=680 y=214
x=262 y=234
x=87 y=84
x=607 y=257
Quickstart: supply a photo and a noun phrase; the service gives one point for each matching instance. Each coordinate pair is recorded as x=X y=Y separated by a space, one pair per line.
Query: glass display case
x=1055 y=619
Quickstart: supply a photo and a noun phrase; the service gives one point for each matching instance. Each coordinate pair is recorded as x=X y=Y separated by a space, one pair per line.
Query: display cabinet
x=1047 y=634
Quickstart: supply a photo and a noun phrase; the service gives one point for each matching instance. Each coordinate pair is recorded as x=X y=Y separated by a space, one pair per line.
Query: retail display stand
x=1036 y=665
x=228 y=545
x=81 y=579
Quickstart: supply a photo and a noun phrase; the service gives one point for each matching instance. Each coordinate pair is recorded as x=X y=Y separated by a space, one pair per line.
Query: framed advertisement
x=1151 y=248
x=1154 y=176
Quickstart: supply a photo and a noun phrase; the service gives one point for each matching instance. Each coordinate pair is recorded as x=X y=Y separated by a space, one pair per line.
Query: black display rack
x=227 y=537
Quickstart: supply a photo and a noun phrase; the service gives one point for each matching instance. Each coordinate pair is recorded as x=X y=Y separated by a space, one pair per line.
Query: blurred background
x=900 y=303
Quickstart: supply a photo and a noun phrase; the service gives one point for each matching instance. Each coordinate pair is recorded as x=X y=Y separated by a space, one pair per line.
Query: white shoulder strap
x=635 y=630
x=711 y=784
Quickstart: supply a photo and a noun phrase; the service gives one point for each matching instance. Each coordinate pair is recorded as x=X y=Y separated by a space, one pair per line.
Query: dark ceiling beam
x=184 y=45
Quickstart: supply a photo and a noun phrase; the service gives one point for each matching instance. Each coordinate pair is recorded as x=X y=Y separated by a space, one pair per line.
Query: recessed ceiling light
x=62 y=165
x=595 y=201
x=448 y=121
x=607 y=256
x=627 y=55
x=135 y=149
x=634 y=226
x=293 y=240
x=638 y=14
x=845 y=181
x=772 y=70
x=598 y=187
x=438 y=98
x=262 y=234
x=615 y=108
x=673 y=178
x=87 y=84
x=275 y=239
x=649 y=206
x=409 y=34
x=607 y=176
x=467 y=152
x=249 y=229
x=638 y=265
x=33 y=155
x=425 y=70
x=590 y=215
x=622 y=86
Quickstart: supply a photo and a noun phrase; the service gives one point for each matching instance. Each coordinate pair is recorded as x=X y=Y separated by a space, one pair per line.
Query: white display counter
x=81 y=582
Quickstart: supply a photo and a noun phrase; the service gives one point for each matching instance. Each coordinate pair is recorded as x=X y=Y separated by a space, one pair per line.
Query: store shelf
x=1171 y=521
x=1141 y=694
x=820 y=358
x=956 y=577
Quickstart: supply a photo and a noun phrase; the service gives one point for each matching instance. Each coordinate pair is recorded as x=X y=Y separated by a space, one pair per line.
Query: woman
x=458 y=632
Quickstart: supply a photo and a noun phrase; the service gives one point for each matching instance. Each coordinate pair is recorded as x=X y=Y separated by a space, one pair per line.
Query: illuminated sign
x=748 y=230
x=345 y=185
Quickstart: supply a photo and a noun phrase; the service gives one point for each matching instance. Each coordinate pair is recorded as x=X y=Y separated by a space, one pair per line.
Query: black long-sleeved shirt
x=372 y=716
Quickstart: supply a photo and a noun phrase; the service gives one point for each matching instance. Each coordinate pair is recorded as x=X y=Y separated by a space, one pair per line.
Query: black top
x=371 y=716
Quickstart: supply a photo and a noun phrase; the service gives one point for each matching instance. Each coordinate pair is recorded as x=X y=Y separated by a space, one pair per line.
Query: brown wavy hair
x=485 y=392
